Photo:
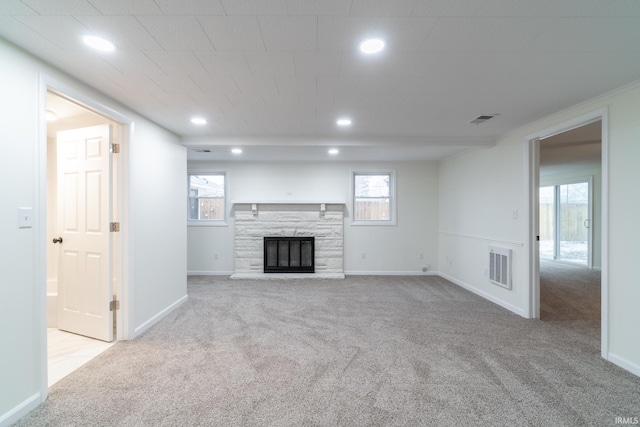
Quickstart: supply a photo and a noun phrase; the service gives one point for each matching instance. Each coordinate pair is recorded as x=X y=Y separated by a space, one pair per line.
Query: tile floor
x=67 y=352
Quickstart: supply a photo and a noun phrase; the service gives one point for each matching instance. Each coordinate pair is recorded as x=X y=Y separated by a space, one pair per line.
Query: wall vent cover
x=500 y=266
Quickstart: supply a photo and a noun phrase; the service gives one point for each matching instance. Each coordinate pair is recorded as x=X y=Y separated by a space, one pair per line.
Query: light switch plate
x=25 y=217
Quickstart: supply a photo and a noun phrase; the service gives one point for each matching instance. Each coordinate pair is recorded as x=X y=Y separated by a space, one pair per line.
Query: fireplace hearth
x=289 y=255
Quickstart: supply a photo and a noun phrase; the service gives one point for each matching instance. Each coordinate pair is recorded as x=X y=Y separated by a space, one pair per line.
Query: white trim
x=155 y=319
x=391 y=273
x=41 y=237
x=21 y=410
x=604 y=239
x=572 y=109
x=85 y=98
x=567 y=125
x=126 y=315
x=393 y=197
x=532 y=190
x=207 y=223
x=531 y=151
x=624 y=363
x=489 y=297
x=125 y=279
x=226 y=208
x=209 y=273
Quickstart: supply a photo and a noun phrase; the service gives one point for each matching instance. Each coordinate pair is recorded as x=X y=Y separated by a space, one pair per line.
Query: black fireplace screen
x=289 y=255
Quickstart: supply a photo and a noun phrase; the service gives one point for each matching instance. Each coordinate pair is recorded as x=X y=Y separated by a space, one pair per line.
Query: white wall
x=389 y=249
x=20 y=319
x=155 y=283
x=478 y=193
x=477 y=211
x=158 y=216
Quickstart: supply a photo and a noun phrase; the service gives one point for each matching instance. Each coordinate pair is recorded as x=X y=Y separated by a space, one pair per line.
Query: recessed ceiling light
x=236 y=150
x=98 y=43
x=343 y=122
x=370 y=46
x=333 y=151
x=51 y=116
x=198 y=121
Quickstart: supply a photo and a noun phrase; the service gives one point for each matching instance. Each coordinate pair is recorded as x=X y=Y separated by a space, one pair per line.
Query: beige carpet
x=570 y=295
x=365 y=351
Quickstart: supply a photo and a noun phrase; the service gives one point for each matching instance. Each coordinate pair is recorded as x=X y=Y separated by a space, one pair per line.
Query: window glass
x=372 y=197
x=206 y=197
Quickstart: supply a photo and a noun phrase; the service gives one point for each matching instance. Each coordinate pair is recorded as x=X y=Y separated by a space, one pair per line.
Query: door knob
x=57 y=240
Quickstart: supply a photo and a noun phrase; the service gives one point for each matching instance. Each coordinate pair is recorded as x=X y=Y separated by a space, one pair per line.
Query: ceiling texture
x=273 y=76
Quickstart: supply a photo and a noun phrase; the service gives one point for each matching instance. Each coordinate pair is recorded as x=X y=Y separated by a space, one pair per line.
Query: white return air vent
x=500 y=266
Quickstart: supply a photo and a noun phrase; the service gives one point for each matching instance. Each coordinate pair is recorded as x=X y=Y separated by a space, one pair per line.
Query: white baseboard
x=390 y=273
x=155 y=319
x=624 y=364
x=209 y=273
x=20 y=411
x=485 y=295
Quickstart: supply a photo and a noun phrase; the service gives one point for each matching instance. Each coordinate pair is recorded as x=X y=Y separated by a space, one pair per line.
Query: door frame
x=532 y=162
x=120 y=180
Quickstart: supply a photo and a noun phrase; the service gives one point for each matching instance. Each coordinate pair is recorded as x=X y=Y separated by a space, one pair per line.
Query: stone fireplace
x=255 y=221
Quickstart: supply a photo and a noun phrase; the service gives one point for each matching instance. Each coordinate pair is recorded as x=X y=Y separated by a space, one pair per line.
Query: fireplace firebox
x=289 y=255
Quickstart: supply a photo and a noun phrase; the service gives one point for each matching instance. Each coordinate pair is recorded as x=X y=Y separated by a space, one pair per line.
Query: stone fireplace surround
x=255 y=220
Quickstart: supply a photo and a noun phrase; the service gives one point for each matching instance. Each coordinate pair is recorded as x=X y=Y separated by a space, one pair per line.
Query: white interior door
x=83 y=221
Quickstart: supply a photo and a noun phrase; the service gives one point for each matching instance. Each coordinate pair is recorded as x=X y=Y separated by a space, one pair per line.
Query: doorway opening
x=568 y=209
x=81 y=253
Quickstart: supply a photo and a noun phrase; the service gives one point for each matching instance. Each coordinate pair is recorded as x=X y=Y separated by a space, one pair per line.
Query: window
x=373 y=198
x=207 y=197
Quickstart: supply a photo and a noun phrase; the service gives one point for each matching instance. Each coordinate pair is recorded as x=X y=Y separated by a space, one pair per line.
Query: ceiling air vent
x=482 y=119
x=201 y=150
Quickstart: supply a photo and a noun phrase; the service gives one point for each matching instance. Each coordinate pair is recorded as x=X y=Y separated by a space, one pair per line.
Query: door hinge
x=114 y=305
x=114 y=227
x=115 y=148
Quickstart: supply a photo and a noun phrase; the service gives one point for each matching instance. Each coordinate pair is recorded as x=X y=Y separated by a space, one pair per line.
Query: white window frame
x=208 y=222
x=392 y=221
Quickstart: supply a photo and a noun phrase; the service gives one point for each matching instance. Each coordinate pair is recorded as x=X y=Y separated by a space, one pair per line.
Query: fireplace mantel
x=286 y=202
x=255 y=205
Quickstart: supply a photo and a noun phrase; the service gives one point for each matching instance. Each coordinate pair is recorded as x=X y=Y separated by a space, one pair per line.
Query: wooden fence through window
x=211 y=208
x=376 y=209
x=572 y=222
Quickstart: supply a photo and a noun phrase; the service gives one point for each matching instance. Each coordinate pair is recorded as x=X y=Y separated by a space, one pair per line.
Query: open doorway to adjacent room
x=570 y=218
x=81 y=251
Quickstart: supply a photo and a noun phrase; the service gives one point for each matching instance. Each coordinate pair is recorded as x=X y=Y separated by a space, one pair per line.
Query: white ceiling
x=274 y=75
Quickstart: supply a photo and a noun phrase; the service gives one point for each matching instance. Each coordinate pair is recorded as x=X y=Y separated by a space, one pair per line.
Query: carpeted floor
x=570 y=297
x=365 y=351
